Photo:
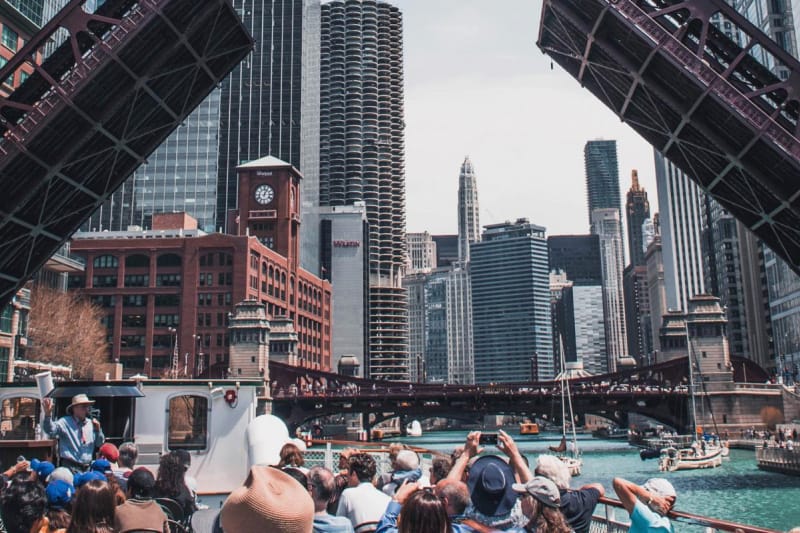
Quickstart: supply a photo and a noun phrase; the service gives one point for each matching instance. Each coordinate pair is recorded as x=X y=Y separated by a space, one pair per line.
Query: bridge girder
x=698 y=97
x=125 y=77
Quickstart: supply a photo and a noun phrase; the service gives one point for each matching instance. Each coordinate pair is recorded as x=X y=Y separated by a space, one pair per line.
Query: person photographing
x=77 y=434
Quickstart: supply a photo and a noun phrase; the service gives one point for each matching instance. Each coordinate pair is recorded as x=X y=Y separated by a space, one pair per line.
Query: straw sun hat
x=269 y=501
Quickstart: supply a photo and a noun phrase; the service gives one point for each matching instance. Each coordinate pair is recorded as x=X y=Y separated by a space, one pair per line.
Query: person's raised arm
x=507 y=445
x=49 y=425
x=471 y=449
x=629 y=492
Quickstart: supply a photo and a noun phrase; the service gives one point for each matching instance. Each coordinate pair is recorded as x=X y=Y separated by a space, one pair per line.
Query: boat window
x=188 y=422
x=18 y=418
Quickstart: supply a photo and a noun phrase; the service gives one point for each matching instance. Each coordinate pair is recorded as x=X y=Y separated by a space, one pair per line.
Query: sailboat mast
x=691 y=377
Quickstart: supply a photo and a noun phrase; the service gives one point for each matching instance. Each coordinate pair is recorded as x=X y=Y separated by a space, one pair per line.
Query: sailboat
x=570 y=455
x=702 y=453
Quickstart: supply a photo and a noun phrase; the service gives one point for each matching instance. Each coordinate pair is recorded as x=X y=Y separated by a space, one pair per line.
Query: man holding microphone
x=77 y=434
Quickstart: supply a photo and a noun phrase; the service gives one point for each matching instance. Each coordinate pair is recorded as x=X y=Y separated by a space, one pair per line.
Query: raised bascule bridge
x=723 y=109
x=118 y=83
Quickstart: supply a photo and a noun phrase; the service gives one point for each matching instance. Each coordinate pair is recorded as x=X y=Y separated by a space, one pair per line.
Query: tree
x=66 y=329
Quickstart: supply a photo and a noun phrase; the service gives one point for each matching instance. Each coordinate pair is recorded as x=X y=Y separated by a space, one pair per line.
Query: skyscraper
x=270 y=106
x=781 y=21
x=180 y=176
x=469 y=226
x=680 y=203
x=362 y=156
x=637 y=210
x=578 y=256
x=602 y=176
x=421 y=252
x=606 y=224
x=512 y=327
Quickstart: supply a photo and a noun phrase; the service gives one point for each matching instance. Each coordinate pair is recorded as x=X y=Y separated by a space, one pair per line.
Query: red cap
x=109 y=451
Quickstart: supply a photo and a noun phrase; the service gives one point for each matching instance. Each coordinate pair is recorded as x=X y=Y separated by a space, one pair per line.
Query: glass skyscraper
x=602 y=175
x=270 y=106
x=512 y=328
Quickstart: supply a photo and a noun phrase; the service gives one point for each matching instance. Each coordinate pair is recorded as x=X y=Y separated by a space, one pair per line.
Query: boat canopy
x=96 y=391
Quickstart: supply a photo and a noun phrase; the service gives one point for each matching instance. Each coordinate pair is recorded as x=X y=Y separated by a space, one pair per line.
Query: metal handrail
x=697 y=520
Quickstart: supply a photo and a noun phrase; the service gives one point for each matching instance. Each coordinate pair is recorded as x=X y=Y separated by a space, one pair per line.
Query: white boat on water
x=692 y=458
x=207 y=418
x=569 y=454
x=414 y=429
x=702 y=452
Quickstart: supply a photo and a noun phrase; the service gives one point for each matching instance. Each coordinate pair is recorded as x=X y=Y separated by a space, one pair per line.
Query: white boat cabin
x=206 y=418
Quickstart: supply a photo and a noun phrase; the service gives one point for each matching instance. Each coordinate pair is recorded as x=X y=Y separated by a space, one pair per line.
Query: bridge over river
x=660 y=392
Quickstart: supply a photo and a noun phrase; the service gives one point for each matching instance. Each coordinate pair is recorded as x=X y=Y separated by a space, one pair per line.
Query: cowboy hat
x=79 y=399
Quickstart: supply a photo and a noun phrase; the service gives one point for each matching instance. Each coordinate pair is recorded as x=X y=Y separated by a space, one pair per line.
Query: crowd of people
x=88 y=494
x=468 y=491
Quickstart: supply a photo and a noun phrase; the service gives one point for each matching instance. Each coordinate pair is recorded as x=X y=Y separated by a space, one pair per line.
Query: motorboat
x=529 y=428
x=699 y=455
x=414 y=429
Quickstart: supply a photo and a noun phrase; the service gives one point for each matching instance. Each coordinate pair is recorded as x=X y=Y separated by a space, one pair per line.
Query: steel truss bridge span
x=660 y=392
x=123 y=79
x=699 y=97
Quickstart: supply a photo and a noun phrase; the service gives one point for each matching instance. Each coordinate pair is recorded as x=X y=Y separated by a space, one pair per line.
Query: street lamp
x=173 y=371
x=198 y=354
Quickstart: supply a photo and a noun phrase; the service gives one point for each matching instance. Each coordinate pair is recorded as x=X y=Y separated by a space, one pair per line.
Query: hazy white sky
x=476 y=84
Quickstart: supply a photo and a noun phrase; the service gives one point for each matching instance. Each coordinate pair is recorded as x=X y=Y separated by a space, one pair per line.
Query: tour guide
x=77 y=437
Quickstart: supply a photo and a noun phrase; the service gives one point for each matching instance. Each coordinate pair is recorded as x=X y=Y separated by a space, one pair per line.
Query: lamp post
x=198 y=355
x=173 y=371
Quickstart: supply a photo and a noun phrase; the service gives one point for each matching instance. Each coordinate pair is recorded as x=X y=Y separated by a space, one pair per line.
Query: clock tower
x=269 y=192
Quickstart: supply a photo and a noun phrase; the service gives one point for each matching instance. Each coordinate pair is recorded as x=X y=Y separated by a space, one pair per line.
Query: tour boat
x=207 y=418
x=529 y=428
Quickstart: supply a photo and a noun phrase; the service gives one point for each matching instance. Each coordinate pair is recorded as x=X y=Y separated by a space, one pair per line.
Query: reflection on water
x=737 y=491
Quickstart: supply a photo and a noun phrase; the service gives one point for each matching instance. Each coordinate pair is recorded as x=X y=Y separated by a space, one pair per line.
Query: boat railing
x=610 y=517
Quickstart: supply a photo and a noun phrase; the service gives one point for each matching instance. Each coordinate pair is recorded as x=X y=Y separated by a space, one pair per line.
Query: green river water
x=737 y=491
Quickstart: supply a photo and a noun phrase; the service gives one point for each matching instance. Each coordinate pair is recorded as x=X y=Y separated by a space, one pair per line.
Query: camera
x=488 y=438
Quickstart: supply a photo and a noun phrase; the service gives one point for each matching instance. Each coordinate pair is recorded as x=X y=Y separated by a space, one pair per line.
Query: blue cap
x=59 y=493
x=42 y=468
x=86 y=477
x=100 y=465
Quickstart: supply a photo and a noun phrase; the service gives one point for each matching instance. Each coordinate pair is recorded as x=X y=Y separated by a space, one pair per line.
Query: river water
x=737 y=491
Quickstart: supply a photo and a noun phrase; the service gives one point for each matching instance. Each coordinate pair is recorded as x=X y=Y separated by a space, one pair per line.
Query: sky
x=476 y=84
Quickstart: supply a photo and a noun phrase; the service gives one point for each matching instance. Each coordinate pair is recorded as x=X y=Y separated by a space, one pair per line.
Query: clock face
x=264 y=194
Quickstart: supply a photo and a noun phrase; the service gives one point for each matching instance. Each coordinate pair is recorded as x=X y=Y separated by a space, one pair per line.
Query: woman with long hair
x=170 y=483
x=540 y=504
x=291 y=456
x=93 y=509
x=415 y=511
x=423 y=512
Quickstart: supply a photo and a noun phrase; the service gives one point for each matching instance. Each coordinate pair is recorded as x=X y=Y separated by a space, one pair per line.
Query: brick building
x=175 y=283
